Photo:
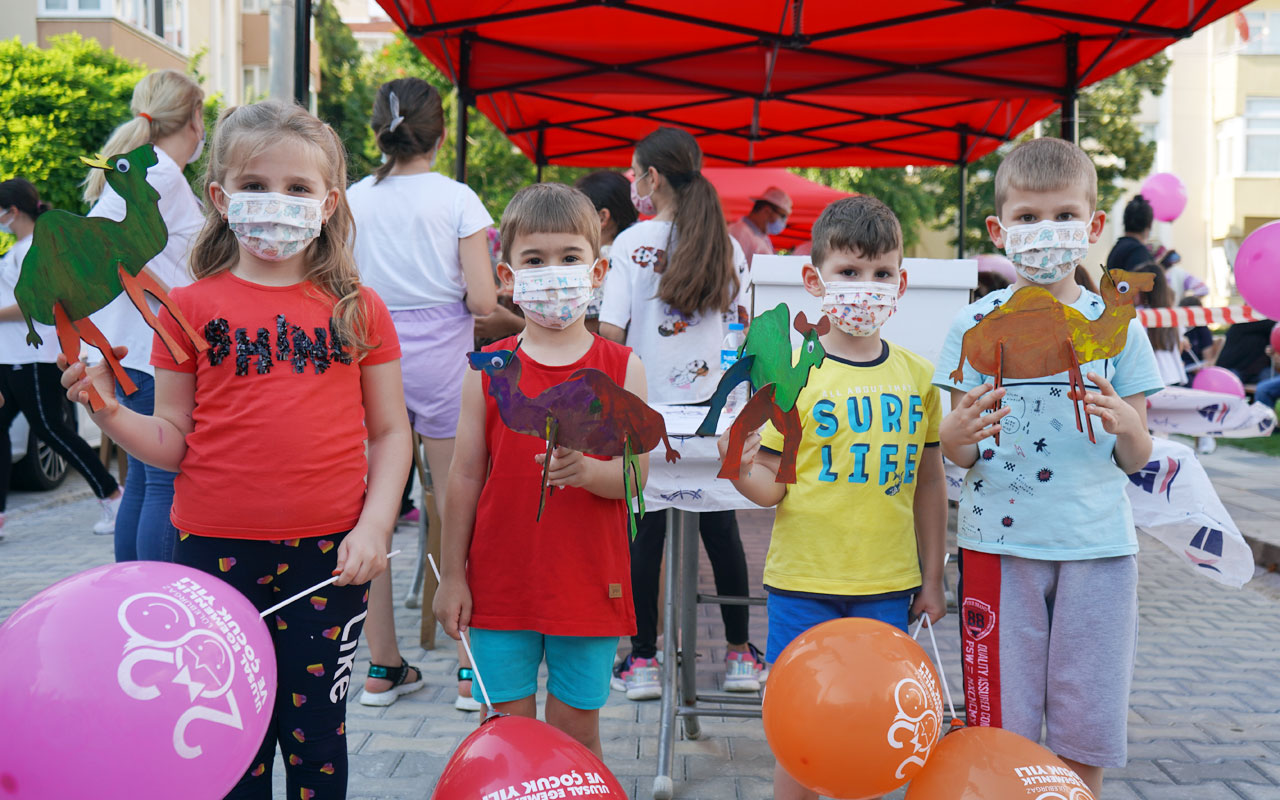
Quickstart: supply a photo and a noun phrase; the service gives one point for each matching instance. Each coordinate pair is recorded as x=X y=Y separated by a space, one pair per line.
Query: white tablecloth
x=690 y=484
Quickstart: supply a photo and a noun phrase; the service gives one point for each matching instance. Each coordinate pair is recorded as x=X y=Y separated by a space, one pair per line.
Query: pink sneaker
x=744 y=672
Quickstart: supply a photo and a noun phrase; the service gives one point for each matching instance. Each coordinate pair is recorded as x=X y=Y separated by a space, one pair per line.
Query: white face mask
x=274 y=226
x=1045 y=252
x=859 y=308
x=199 y=149
x=7 y=227
x=553 y=297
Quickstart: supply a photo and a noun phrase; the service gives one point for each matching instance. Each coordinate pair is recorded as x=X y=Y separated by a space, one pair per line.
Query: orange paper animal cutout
x=1033 y=335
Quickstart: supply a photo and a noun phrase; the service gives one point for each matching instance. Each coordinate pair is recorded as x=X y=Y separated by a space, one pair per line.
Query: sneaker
x=1206 y=445
x=106 y=524
x=640 y=678
x=1 y=527
x=467 y=703
x=743 y=672
x=410 y=517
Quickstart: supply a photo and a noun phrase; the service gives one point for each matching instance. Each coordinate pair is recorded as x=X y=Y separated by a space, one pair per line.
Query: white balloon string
x=466 y=645
x=942 y=675
x=308 y=591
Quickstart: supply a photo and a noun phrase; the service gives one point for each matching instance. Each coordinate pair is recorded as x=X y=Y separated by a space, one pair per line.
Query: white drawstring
x=466 y=644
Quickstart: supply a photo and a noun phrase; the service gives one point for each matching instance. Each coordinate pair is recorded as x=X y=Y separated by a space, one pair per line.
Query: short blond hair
x=1046 y=165
x=549 y=208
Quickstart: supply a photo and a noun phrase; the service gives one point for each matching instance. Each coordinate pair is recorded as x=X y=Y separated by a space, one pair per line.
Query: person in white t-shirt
x=30 y=381
x=674 y=285
x=421 y=244
x=168 y=112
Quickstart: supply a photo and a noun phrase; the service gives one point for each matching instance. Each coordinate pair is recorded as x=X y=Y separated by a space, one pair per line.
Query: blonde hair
x=549 y=208
x=241 y=133
x=170 y=99
x=1046 y=165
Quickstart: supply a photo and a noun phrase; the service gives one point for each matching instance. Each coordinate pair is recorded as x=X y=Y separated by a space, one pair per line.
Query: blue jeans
x=143 y=529
x=1268 y=392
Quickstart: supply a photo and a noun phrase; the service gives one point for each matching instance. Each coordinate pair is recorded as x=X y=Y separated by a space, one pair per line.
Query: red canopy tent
x=785 y=82
x=738 y=185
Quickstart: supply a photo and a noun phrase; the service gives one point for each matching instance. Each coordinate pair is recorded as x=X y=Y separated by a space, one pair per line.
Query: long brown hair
x=700 y=275
x=244 y=131
x=1160 y=296
x=169 y=100
x=420 y=125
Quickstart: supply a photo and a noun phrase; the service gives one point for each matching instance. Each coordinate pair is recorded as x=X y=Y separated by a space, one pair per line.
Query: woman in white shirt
x=30 y=382
x=421 y=244
x=168 y=112
x=674 y=285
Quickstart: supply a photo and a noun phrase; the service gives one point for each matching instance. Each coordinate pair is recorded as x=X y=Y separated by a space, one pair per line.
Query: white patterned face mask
x=859 y=308
x=553 y=297
x=1046 y=252
x=274 y=226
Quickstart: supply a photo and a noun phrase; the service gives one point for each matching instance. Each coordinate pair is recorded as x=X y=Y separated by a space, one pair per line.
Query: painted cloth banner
x=1197 y=413
x=1174 y=502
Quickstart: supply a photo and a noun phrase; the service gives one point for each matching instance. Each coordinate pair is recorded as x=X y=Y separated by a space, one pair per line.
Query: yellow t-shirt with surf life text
x=846 y=527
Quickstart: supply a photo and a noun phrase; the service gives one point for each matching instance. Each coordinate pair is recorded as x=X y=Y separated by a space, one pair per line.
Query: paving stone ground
x=1204 y=718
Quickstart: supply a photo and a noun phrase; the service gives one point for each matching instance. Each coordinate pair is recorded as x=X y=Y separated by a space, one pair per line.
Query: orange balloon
x=995 y=764
x=853 y=708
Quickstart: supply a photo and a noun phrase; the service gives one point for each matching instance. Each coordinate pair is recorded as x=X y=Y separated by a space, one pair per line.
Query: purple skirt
x=434 y=343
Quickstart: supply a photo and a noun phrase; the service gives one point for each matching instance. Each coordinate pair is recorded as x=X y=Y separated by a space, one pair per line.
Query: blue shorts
x=578 y=667
x=790 y=616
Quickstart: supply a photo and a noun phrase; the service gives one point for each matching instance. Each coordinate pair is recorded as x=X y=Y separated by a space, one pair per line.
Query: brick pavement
x=1204 y=719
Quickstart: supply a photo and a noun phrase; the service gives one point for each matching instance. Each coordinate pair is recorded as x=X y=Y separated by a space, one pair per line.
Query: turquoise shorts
x=578 y=667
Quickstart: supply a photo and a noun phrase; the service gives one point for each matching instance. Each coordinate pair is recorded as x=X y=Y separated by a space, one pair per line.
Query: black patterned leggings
x=315 y=641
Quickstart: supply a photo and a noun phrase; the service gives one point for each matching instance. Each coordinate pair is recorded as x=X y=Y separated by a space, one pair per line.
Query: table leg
x=689 y=621
x=663 y=787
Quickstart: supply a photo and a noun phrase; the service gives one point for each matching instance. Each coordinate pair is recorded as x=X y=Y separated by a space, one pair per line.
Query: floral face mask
x=1046 y=252
x=274 y=226
x=553 y=297
x=859 y=308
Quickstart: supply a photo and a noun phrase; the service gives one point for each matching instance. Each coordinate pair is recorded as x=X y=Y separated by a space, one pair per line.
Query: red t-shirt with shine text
x=278 y=444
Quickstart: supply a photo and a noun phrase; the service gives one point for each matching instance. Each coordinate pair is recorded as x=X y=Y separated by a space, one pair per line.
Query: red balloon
x=853 y=708
x=1275 y=338
x=517 y=757
x=995 y=764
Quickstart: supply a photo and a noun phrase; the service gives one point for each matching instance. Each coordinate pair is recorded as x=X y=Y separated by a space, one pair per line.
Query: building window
x=1262 y=134
x=1264 y=33
x=71 y=6
x=254 y=6
x=256 y=84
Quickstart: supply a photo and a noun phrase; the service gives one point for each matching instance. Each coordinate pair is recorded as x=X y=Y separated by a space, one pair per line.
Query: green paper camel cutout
x=77 y=265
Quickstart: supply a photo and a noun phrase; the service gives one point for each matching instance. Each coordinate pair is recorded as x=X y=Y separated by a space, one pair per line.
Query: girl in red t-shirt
x=557 y=588
x=267 y=428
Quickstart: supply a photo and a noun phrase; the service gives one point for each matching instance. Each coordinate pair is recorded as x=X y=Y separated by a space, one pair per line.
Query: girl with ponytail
x=675 y=284
x=168 y=113
x=29 y=379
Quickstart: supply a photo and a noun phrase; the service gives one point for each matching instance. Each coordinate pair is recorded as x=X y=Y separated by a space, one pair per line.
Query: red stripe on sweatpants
x=980 y=638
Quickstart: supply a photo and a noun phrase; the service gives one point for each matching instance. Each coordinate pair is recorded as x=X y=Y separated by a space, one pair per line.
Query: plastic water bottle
x=728 y=357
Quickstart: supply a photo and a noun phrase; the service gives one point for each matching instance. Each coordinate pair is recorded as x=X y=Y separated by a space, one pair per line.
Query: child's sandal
x=399 y=686
x=464 y=702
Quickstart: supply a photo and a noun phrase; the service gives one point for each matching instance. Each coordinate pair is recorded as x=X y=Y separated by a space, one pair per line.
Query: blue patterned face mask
x=553 y=297
x=776 y=227
x=1046 y=252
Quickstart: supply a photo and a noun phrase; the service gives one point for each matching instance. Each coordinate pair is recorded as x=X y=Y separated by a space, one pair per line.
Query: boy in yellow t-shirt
x=862 y=531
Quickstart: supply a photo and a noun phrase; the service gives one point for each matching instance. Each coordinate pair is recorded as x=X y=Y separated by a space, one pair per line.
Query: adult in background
x=768 y=217
x=610 y=193
x=30 y=382
x=420 y=243
x=1130 y=251
x=168 y=112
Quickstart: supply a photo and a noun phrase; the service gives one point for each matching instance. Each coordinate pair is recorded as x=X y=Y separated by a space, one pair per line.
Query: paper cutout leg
x=145 y=283
x=758 y=410
x=788 y=423
x=739 y=372
x=71 y=333
x=553 y=430
x=999 y=380
x=1077 y=387
x=631 y=486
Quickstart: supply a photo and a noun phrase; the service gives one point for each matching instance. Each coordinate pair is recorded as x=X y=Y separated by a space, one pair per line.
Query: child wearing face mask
x=1047 y=543
x=289 y=433
x=556 y=588
x=869 y=455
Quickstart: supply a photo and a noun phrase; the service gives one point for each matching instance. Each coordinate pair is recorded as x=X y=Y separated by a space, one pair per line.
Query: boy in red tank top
x=558 y=588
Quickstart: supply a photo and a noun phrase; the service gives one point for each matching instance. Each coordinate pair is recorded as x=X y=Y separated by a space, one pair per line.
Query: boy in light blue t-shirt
x=1048 y=607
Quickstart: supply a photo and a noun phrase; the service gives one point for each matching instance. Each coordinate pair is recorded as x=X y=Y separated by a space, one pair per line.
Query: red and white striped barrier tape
x=1193 y=316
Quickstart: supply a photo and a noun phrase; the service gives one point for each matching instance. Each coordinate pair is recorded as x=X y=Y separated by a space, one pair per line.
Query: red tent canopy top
x=737 y=186
x=794 y=82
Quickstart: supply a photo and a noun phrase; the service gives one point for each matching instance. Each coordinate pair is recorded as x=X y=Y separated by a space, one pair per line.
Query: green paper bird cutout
x=77 y=265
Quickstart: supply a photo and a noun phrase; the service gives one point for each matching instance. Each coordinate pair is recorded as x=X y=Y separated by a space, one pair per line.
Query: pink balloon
x=131 y=680
x=993 y=262
x=1257 y=269
x=1218 y=379
x=1166 y=194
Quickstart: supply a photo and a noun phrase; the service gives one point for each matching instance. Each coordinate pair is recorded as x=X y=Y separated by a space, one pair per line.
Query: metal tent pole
x=464 y=98
x=540 y=157
x=963 y=172
x=1071 y=91
x=302 y=52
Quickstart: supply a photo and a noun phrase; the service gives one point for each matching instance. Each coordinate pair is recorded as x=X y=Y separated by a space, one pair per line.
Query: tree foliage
x=345 y=99
x=60 y=102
